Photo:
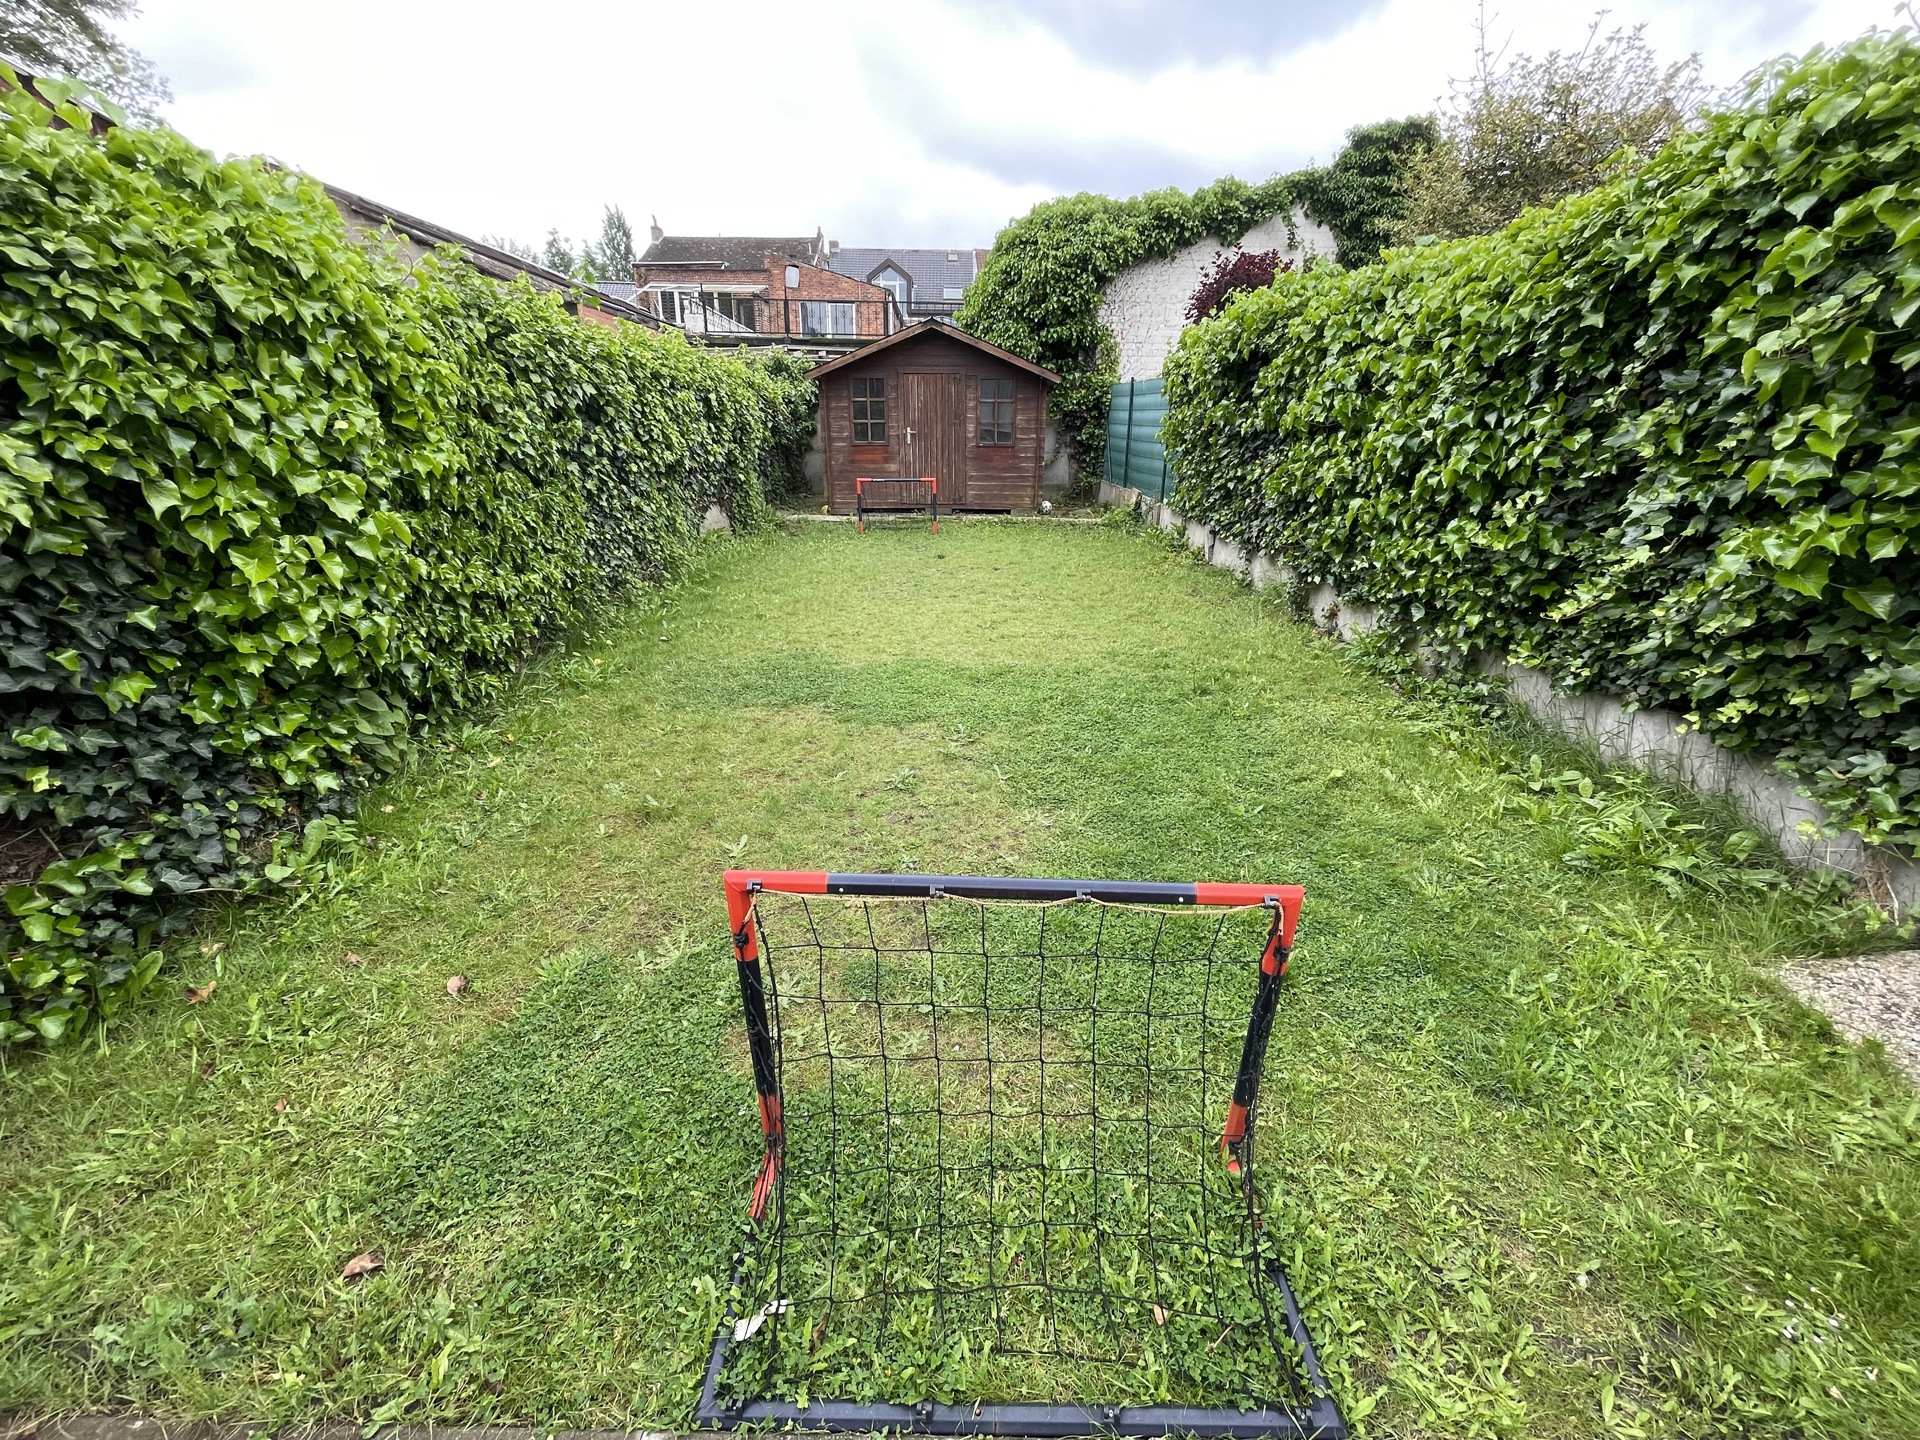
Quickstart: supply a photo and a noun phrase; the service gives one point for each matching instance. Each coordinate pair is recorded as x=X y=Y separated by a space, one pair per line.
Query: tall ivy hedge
x=1658 y=440
x=267 y=500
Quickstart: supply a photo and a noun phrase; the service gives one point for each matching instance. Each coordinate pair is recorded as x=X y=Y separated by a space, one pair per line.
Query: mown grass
x=1553 y=1155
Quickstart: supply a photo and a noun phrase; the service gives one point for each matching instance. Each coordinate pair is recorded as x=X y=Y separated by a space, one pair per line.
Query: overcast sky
x=902 y=123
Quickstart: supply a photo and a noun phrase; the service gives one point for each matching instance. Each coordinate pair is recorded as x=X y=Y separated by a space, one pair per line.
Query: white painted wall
x=1146 y=306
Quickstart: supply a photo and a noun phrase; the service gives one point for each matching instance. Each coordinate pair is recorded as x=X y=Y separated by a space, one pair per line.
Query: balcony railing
x=747 y=318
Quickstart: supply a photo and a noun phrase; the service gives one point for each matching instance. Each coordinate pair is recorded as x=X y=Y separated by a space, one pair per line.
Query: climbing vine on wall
x=1039 y=293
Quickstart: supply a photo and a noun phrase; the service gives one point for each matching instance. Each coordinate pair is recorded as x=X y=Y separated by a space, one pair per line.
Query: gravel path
x=1869 y=996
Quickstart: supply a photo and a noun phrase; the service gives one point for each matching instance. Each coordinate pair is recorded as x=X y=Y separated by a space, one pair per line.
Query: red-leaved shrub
x=1230 y=273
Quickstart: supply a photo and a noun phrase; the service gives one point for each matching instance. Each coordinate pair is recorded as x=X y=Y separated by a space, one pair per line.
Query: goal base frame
x=1317 y=1419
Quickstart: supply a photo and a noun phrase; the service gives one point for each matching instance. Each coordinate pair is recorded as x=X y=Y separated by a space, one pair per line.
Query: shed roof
x=732 y=252
x=937 y=325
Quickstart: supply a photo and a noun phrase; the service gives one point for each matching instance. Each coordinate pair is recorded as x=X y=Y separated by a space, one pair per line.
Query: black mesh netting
x=1001 y=1172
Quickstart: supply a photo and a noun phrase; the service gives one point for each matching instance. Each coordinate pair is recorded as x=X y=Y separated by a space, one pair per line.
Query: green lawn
x=1553 y=1156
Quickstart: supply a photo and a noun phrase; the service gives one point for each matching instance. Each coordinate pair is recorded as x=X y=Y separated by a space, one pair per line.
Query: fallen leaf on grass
x=455 y=984
x=361 y=1266
x=280 y=1105
x=200 y=994
x=493 y=762
x=1159 y=1314
x=354 y=957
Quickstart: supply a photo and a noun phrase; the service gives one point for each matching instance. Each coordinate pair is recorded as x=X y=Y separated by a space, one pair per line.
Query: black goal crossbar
x=1315 y=1415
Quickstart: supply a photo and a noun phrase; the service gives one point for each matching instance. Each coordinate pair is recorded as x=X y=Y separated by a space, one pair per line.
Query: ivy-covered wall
x=267 y=501
x=1659 y=440
x=1039 y=293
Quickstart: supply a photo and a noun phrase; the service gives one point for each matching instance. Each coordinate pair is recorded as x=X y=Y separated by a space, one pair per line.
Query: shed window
x=870 y=411
x=996 y=412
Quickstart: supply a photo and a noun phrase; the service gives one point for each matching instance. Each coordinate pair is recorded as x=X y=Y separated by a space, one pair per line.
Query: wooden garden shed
x=935 y=401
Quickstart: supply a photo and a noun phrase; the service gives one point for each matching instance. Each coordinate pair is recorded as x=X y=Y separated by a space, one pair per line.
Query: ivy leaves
x=266 y=500
x=1660 y=439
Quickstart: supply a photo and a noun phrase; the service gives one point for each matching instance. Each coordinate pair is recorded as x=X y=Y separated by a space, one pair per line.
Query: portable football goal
x=877 y=495
x=1006 y=1181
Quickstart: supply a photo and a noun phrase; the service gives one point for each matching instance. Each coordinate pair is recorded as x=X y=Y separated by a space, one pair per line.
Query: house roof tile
x=930 y=270
x=731 y=252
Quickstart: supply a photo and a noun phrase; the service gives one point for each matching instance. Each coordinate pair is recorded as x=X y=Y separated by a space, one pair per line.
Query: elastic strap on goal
x=1253 y=1049
x=741 y=888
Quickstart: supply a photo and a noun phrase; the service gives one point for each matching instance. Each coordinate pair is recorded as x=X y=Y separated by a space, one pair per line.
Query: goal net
x=1007 y=1183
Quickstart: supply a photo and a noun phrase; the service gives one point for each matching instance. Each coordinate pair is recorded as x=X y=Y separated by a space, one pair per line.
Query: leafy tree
x=557 y=254
x=1362 y=196
x=513 y=247
x=612 y=256
x=1528 y=131
x=72 y=39
x=1233 y=271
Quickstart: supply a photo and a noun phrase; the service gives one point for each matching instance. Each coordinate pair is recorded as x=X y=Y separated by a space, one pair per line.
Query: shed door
x=934 y=413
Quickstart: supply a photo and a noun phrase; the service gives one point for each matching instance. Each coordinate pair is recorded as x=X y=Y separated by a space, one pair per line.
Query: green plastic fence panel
x=1135 y=457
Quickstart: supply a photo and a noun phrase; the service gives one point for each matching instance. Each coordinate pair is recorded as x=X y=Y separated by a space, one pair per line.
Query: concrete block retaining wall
x=1649 y=740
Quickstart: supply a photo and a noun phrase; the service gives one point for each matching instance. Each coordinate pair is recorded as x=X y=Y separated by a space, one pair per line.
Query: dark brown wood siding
x=934 y=381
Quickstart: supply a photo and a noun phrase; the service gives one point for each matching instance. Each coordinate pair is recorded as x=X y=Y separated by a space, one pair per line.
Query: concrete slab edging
x=1653 y=741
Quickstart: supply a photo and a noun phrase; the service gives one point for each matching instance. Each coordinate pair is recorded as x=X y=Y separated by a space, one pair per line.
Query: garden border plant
x=1658 y=440
x=269 y=500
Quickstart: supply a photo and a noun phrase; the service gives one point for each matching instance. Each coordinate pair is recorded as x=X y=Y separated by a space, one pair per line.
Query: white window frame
x=829 y=319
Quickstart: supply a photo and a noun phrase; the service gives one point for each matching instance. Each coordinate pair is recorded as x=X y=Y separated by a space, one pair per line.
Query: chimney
x=833 y=247
x=655 y=230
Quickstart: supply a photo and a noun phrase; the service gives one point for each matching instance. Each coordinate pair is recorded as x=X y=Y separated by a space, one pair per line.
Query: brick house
x=760 y=289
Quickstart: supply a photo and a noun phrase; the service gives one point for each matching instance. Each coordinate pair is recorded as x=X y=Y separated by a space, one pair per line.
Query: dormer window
x=895 y=284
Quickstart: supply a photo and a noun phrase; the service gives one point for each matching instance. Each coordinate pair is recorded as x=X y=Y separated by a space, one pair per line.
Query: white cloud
x=908 y=123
